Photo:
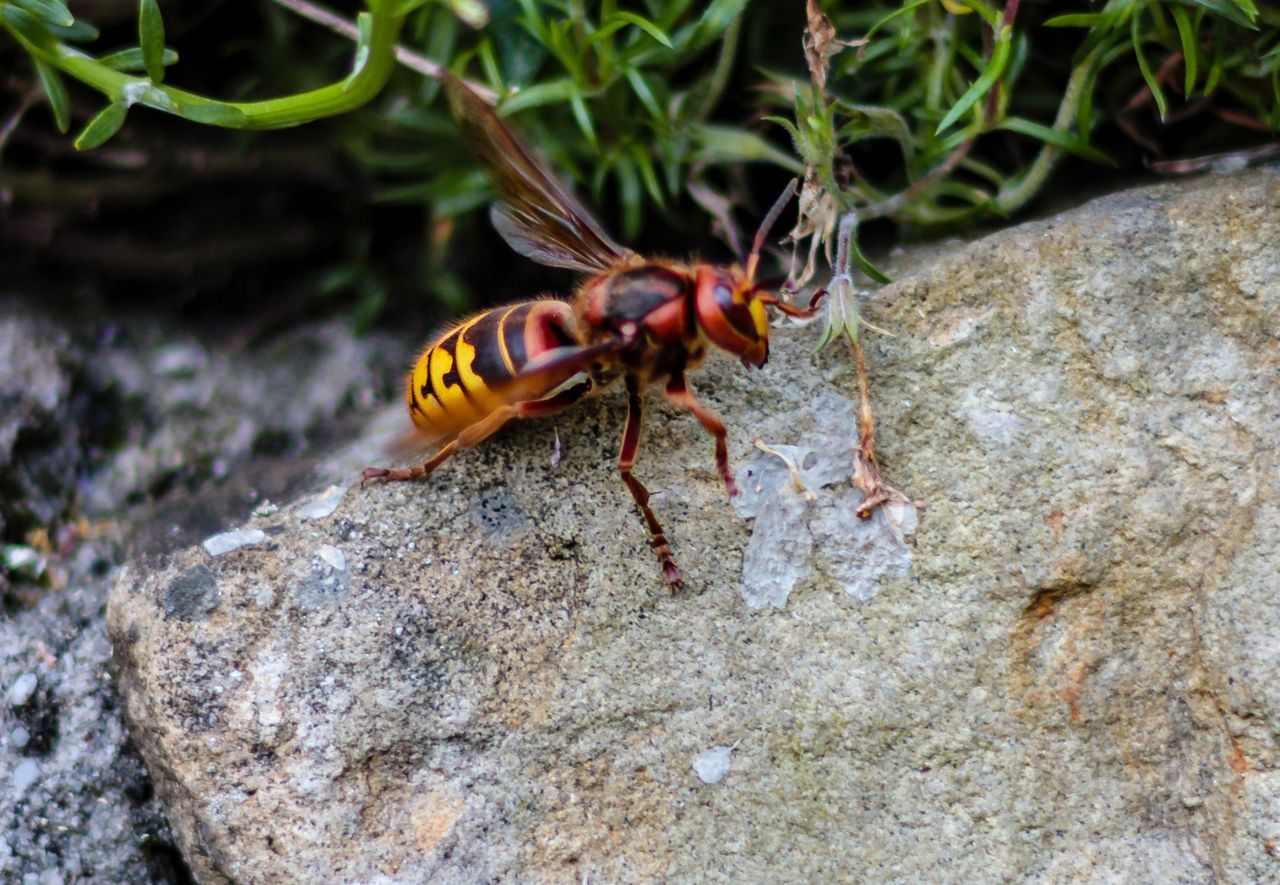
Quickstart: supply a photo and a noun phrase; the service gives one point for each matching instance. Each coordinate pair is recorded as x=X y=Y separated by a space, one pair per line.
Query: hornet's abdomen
x=471 y=370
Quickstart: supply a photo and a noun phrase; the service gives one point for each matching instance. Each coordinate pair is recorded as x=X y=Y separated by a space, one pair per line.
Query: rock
x=39 y=448
x=76 y=804
x=1069 y=675
x=97 y=419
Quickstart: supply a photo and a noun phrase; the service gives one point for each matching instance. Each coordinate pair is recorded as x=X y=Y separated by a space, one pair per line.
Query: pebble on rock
x=22 y=689
x=334 y=557
x=25 y=773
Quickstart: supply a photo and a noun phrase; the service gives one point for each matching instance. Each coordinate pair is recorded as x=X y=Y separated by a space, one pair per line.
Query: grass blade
x=1156 y=92
x=984 y=84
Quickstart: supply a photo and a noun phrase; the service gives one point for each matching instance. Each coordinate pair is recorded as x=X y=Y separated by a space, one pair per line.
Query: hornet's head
x=730 y=307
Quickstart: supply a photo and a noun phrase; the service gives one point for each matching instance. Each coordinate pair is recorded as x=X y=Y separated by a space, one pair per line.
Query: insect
x=644 y=321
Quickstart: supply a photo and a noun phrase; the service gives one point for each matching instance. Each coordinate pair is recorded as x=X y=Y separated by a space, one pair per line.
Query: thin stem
x=25 y=102
x=866 y=419
x=921 y=185
x=407 y=57
x=1013 y=197
x=993 y=97
x=724 y=67
x=848 y=223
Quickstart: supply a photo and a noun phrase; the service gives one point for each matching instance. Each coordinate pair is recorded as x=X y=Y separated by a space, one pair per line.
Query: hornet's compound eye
x=729 y=313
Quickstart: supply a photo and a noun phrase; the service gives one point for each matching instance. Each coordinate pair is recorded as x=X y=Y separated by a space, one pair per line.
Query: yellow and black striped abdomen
x=471 y=370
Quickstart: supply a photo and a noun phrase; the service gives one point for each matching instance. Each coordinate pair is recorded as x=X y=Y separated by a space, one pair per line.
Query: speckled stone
x=1076 y=680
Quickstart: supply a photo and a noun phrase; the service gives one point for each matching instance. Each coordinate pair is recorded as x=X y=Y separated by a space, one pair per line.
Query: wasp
x=642 y=320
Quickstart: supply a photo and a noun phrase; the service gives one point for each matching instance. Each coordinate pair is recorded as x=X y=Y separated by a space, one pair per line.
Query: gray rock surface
x=1070 y=673
x=94 y=420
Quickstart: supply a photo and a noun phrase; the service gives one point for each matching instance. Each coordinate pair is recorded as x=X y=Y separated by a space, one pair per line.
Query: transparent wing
x=538 y=216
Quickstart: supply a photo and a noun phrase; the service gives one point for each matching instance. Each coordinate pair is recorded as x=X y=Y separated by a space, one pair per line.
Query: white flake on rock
x=25 y=773
x=333 y=556
x=712 y=765
x=217 y=545
x=798 y=529
x=323 y=504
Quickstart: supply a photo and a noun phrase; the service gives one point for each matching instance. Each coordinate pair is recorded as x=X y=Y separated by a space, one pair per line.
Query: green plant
x=930 y=113
x=963 y=88
x=591 y=89
x=54 y=39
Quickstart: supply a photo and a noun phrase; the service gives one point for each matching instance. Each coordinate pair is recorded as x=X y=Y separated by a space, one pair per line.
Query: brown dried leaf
x=816 y=218
x=820 y=43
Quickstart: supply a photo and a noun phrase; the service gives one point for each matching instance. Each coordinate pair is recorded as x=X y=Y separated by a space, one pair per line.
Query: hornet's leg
x=679 y=394
x=479 y=432
x=626 y=460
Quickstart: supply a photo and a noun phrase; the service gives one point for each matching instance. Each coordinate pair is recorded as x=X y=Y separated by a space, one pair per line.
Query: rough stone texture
x=1078 y=679
x=94 y=418
x=39 y=453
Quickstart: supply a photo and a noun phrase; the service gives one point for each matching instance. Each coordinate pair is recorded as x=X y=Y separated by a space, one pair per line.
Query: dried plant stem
x=11 y=122
x=866 y=469
x=887 y=207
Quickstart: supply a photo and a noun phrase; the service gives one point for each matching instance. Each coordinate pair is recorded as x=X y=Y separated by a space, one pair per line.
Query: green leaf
x=713 y=23
x=865 y=265
x=648 y=175
x=489 y=61
x=408 y=6
x=1107 y=32
x=364 y=33
x=988 y=12
x=52 y=12
x=630 y=18
x=80 y=32
x=106 y=123
x=629 y=197
x=1058 y=139
x=645 y=94
x=905 y=8
x=550 y=92
x=583 y=118
x=1218 y=64
x=1077 y=20
x=872 y=121
x=56 y=91
x=1242 y=12
x=729 y=144
x=1156 y=92
x=984 y=83
x=28 y=27
x=130 y=60
x=787 y=125
x=1190 y=48
x=151 y=39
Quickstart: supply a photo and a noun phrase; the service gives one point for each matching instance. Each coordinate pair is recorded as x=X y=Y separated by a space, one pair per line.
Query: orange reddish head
x=730 y=307
x=731 y=313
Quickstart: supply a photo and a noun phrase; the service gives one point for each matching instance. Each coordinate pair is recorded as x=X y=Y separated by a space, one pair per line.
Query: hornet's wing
x=538 y=216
